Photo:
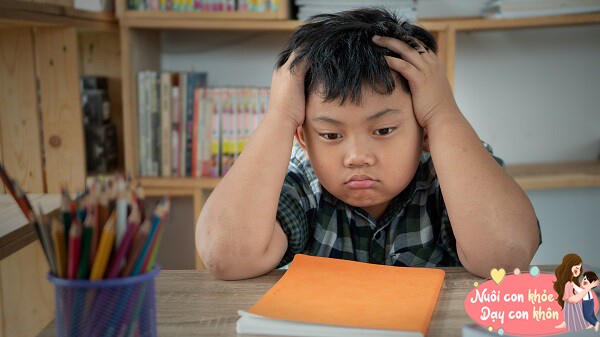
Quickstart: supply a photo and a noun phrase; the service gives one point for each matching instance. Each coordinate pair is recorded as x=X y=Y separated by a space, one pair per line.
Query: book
x=187 y=129
x=166 y=80
x=194 y=80
x=321 y=296
x=175 y=126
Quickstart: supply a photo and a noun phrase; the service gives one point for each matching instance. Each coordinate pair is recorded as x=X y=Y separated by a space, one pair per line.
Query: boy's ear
x=425 y=141
x=301 y=140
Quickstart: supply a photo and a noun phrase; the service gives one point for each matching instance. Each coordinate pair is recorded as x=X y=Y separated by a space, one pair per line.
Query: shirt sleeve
x=297 y=204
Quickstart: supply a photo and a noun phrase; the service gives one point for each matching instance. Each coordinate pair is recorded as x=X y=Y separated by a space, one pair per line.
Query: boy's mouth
x=361 y=184
x=360 y=181
x=359 y=177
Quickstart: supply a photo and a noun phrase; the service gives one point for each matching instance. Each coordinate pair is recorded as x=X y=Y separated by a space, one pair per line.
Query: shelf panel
x=529 y=176
x=556 y=175
x=169 y=22
x=269 y=21
x=179 y=183
x=223 y=21
x=22 y=13
x=546 y=21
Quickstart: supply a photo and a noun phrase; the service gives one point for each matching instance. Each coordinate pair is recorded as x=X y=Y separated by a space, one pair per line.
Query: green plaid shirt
x=414 y=230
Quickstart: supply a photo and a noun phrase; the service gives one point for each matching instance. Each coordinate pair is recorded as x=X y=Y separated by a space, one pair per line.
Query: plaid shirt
x=414 y=230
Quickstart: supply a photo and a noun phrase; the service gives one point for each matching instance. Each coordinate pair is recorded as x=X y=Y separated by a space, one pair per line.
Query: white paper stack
x=499 y=9
x=95 y=5
x=405 y=9
x=430 y=9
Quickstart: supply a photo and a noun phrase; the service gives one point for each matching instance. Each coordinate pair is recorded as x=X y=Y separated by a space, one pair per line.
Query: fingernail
x=376 y=37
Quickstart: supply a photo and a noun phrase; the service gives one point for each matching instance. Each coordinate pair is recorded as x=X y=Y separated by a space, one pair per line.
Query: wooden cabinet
x=44 y=49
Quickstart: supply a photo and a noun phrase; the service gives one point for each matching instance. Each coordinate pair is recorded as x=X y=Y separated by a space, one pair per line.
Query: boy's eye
x=330 y=136
x=385 y=131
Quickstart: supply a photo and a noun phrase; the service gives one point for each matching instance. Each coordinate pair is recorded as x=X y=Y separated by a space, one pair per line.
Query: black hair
x=342 y=57
x=591 y=276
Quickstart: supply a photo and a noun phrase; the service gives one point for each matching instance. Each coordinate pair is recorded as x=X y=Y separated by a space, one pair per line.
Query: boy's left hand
x=431 y=92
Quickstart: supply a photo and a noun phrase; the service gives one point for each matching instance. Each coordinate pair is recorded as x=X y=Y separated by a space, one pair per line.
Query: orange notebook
x=321 y=296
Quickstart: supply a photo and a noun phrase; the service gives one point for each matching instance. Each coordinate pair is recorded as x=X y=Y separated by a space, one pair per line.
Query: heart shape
x=498 y=275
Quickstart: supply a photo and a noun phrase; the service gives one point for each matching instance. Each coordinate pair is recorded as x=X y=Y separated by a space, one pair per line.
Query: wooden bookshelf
x=556 y=175
x=22 y=13
x=269 y=22
x=141 y=50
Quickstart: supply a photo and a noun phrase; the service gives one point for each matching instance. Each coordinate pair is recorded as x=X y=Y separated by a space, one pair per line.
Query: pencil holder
x=112 y=307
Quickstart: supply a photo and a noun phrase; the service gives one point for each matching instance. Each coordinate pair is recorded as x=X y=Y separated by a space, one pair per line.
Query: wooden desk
x=15 y=230
x=193 y=303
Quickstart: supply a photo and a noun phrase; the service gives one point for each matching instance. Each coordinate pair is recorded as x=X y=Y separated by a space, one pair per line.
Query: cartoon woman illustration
x=567 y=277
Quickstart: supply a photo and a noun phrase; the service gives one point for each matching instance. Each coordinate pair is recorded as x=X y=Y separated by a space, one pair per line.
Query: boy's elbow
x=213 y=260
x=515 y=255
x=223 y=261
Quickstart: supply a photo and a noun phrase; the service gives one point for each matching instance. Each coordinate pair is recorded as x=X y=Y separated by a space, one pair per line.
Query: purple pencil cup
x=120 y=307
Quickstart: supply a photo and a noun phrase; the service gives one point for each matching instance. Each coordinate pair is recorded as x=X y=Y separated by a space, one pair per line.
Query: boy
x=588 y=300
x=358 y=185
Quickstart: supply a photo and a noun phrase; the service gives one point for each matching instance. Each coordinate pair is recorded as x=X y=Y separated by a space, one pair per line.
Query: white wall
x=532 y=93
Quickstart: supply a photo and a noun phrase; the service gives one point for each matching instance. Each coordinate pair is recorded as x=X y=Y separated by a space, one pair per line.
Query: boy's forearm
x=492 y=218
x=237 y=220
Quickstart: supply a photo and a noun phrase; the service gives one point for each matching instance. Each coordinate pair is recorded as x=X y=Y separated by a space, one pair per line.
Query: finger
x=412 y=74
x=401 y=48
x=423 y=49
x=426 y=53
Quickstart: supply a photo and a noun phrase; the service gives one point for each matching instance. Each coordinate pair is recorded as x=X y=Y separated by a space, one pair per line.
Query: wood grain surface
x=193 y=303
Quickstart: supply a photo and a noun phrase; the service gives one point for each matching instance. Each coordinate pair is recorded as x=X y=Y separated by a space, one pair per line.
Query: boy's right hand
x=287 y=91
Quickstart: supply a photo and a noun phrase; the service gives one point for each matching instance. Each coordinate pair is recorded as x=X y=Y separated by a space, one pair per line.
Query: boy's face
x=387 y=149
x=585 y=281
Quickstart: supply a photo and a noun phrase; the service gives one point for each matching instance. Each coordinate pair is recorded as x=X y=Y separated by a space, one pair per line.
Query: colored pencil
x=92 y=217
x=16 y=193
x=156 y=239
x=65 y=209
x=148 y=266
x=121 y=225
x=74 y=250
x=141 y=201
x=46 y=240
x=157 y=218
x=117 y=261
x=103 y=211
x=58 y=238
x=106 y=217
x=135 y=251
x=104 y=249
x=84 y=260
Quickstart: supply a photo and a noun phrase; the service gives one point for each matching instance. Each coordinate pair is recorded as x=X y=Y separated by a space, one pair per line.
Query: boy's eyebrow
x=378 y=115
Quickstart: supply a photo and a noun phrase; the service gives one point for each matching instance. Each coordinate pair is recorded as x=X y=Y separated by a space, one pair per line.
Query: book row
x=206 y=5
x=189 y=130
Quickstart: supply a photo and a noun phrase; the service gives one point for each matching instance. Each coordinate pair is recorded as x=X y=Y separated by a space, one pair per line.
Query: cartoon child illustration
x=567 y=277
x=588 y=300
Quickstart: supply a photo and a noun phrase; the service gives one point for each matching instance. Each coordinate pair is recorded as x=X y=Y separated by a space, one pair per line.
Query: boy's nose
x=358 y=155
